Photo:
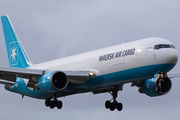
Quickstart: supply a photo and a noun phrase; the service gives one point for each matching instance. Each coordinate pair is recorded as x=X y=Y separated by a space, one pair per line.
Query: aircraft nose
x=172 y=56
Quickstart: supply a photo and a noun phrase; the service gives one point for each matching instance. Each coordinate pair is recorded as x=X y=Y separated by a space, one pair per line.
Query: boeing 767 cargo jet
x=144 y=63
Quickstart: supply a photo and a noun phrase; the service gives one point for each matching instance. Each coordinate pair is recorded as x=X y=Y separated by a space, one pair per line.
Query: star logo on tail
x=13 y=55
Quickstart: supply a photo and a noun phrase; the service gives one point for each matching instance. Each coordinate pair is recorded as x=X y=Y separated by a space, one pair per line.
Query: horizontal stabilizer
x=6 y=83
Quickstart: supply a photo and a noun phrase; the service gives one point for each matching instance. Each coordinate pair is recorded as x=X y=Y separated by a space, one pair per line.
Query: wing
x=8 y=75
x=174 y=74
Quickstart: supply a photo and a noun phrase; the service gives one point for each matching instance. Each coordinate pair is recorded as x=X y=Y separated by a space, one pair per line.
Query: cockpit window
x=172 y=46
x=166 y=46
x=156 y=47
x=160 y=46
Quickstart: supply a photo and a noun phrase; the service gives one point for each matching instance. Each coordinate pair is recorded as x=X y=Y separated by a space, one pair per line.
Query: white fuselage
x=115 y=58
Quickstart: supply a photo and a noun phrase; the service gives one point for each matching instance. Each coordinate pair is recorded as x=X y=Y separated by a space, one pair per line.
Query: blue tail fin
x=16 y=53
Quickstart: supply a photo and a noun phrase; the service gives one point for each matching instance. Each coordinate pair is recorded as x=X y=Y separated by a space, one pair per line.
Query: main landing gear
x=114 y=104
x=53 y=103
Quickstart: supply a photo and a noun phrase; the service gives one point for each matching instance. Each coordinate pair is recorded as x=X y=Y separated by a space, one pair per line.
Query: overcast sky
x=53 y=29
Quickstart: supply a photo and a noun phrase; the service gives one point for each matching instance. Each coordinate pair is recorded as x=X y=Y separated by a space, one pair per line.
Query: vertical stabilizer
x=16 y=53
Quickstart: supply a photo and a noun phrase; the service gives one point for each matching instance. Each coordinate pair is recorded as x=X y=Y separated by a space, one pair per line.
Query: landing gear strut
x=114 y=104
x=53 y=103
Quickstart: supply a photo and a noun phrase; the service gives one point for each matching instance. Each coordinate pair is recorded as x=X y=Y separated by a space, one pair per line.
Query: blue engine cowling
x=156 y=86
x=53 y=81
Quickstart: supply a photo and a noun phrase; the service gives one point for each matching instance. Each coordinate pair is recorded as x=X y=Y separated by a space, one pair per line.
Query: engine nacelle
x=53 y=81
x=156 y=86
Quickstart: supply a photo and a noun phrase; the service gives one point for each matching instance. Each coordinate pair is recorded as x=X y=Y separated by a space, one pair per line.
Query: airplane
x=144 y=63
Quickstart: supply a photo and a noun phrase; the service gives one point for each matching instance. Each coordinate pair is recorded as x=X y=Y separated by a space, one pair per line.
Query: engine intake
x=59 y=80
x=163 y=85
x=53 y=81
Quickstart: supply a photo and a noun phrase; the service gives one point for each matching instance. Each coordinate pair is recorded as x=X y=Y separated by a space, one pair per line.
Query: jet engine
x=156 y=86
x=53 y=81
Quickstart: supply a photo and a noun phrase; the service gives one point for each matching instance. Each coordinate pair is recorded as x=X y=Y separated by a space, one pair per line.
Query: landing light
x=92 y=74
x=139 y=50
